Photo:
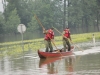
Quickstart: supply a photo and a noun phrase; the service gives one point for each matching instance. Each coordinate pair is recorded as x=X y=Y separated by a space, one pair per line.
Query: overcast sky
x=1 y=6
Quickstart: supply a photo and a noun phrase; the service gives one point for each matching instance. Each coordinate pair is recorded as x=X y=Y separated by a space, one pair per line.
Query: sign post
x=93 y=36
x=21 y=28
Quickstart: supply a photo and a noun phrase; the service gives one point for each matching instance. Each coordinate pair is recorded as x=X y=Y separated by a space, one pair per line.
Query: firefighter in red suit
x=49 y=36
x=66 y=39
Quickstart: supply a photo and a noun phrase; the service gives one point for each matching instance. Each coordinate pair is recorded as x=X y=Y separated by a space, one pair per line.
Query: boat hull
x=54 y=54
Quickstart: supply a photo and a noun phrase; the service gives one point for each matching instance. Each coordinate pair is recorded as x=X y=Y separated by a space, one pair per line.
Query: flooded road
x=86 y=62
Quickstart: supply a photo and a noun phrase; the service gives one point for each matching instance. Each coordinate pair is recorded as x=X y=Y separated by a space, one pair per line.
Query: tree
x=33 y=25
x=98 y=15
x=22 y=10
x=81 y=13
x=49 y=12
x=2 y=23
x=12 y=22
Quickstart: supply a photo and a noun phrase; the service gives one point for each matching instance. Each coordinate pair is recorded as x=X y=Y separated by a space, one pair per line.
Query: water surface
x=85 y=62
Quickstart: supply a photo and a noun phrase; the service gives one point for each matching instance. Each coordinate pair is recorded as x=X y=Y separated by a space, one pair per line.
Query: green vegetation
x=81 y=15
x=12 y=48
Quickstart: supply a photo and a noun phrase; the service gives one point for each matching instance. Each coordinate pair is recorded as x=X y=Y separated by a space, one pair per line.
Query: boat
x=55 y=53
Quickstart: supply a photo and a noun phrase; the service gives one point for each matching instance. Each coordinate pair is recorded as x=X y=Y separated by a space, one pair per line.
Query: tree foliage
x=2 y=23
x=12 y=22
x=82 y=14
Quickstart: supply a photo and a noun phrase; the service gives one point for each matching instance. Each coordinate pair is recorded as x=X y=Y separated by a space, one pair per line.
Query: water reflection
x=20 y=65
x=5 y=65
x=69 y=65
x=53 y=65
x=49 y=64
x=51 y=69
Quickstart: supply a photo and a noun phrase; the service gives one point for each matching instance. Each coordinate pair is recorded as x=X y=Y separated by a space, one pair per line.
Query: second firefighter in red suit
x=66 y=39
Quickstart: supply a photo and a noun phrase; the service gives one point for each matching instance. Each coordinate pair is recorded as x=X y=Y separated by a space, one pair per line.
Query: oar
x=67 y=38
x=43 y=29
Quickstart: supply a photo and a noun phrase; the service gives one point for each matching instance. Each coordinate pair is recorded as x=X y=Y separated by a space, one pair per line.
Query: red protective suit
x=49 y=35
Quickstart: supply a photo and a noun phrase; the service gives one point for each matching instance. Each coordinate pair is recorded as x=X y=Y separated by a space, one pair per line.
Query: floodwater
x=86 y=62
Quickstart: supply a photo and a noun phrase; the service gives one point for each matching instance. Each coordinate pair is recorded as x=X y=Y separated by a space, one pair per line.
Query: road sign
x=21 y=28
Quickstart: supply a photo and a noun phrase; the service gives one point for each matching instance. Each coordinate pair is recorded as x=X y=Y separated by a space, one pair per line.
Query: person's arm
x=63 y=34
x=70 y=35
x=45 y=31
x=52 y=34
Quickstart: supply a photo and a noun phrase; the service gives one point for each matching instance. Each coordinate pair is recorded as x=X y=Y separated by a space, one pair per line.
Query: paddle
x=44 y=29
x=68 y=39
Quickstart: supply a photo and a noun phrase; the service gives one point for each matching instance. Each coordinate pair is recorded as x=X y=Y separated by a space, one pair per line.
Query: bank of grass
x=12 y=48
x=76 y=38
